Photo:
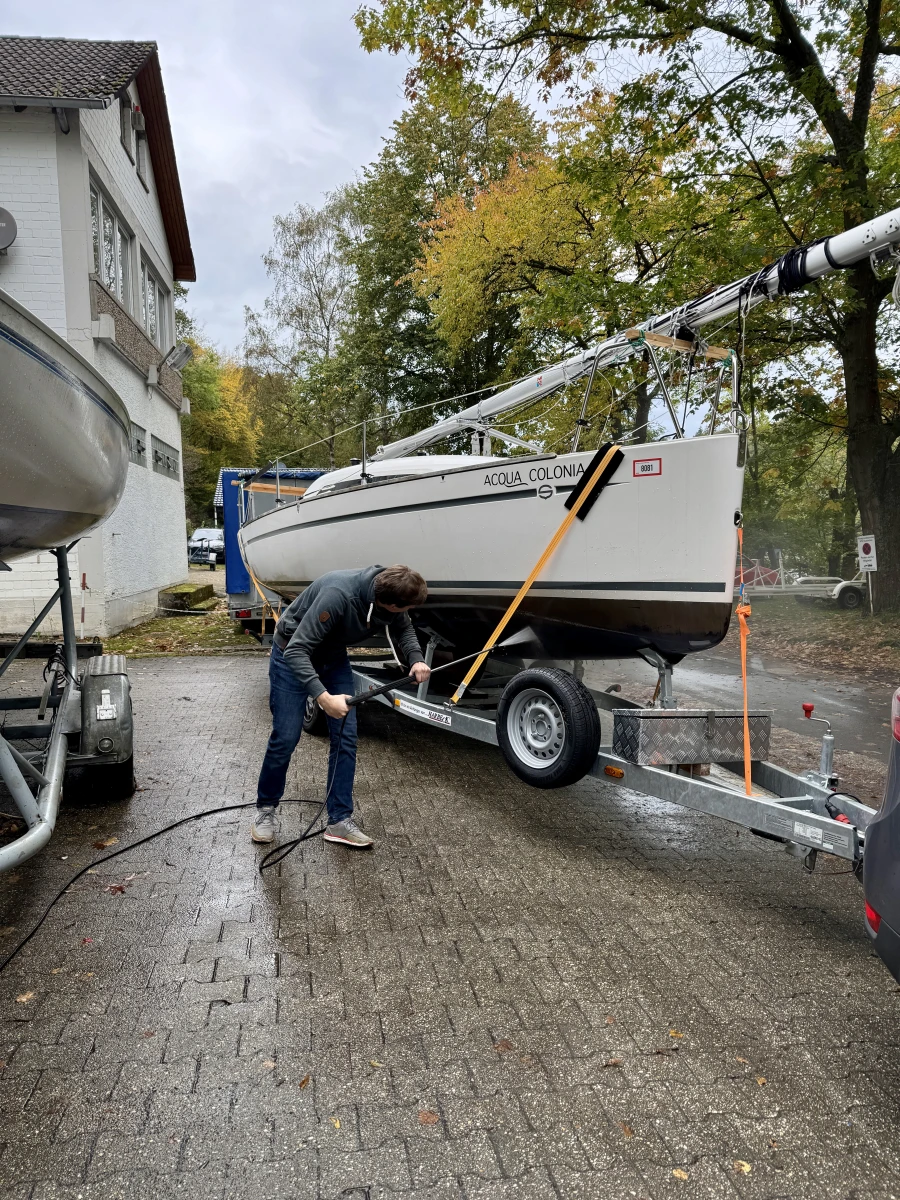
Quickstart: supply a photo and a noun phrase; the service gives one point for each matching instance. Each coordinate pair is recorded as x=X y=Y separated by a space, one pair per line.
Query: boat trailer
x=83 y=724
x=690 y=757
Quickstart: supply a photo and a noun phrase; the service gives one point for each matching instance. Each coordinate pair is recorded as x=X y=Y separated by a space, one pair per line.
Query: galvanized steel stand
x=59 y=712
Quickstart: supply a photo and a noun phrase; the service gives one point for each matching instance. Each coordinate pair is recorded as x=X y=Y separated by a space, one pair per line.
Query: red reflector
x=243 y=612
x=873 y=917
x=895 y=714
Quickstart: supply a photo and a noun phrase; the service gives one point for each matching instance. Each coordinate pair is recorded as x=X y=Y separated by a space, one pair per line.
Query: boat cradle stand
x=83 y=722
x=803 y=813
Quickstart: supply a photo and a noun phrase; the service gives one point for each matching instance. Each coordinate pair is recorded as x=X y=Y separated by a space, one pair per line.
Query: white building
x=88 y=172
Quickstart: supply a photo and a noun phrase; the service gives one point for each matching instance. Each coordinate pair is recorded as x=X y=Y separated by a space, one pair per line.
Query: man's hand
x=420 y=672
x=333 y=706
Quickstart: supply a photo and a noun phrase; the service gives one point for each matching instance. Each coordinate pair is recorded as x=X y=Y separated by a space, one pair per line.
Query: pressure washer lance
x=524 y=635
x=279 y=853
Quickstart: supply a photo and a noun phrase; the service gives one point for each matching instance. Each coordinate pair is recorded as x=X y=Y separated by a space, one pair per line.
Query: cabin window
x=141 y=160
x=154 y=307
x=112 y=248
x=138 y=445
x=165 y=458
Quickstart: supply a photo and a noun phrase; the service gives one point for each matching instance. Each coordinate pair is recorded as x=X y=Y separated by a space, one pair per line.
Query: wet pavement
x=517 y=994
x=859 y=711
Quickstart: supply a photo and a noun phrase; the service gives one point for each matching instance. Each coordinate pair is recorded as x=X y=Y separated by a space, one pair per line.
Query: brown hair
x=400 y=586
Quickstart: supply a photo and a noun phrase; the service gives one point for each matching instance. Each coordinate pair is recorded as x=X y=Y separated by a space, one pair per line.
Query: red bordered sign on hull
x=644 y=467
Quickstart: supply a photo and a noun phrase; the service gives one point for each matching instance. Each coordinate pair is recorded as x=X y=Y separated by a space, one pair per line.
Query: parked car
x=848 y=593
x=206 y=541
x=881 y=865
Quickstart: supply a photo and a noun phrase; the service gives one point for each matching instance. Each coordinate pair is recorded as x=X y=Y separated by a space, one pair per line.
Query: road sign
x=865 y=548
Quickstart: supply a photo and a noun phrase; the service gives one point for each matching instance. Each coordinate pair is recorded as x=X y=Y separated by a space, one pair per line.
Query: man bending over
x=309 y=659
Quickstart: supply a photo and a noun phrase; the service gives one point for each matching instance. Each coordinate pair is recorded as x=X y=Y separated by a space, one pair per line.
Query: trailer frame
x=785 y=807
x=67 y=709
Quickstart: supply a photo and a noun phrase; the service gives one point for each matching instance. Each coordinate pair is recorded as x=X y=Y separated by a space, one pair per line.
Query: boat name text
x=516 y=478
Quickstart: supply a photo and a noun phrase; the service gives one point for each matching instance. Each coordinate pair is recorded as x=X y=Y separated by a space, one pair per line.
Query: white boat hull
x=651 y=566
x=64 y=438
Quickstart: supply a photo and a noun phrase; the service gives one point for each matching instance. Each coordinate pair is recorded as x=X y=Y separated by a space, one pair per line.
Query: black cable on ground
x=209 y=812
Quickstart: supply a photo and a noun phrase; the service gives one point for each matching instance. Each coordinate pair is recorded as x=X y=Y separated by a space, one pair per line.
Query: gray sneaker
x=348 y=833
x=265 y=826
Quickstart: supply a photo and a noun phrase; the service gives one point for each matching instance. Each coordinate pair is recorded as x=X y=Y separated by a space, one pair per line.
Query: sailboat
x=64 y=438
x=652 y=566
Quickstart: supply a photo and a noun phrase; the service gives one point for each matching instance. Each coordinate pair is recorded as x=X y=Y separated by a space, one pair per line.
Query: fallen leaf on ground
x=92 y=871
x=373 y=1062
x=116 y=889
x=527 y=1060
x=761 y=1080
x=610 y=1020
x=742 y=1167
x=427 y=1117
x=336 y=1122
x=57 y=970
x=149 y=1033
x=675 y=1034
x=102 y=843
x=679 y=1174
x=626 y=1129
x=304 y=1082
x=773 y=1144
x=87 y=941
x=86 y=975
x=745 y=1061
x=24 y=997
x=614 y=1062
x=503 y=1044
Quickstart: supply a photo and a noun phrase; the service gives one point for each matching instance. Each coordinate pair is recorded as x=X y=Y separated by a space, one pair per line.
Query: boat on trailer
x=652 y=568
x=65 y=438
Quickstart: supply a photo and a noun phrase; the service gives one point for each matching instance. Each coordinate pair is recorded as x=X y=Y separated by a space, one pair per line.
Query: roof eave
x=58 y=101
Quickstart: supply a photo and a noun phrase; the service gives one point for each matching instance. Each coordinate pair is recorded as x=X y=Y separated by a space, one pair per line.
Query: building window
x=138 y=445
x=141 y=159
x=127 y=132
x=154 y=307
x=112 y=247
x=165 y=458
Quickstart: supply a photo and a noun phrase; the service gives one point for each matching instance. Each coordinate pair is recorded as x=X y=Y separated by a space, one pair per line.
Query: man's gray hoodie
x=338 y=610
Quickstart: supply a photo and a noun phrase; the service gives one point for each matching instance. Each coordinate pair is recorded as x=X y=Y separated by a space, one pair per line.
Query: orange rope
x=743 y=612
x=535 y=571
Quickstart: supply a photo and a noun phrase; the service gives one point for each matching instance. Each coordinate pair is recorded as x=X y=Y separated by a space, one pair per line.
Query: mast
x=793 y=271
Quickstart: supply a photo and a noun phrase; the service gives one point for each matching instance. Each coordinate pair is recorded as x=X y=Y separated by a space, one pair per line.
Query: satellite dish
x=8 y=229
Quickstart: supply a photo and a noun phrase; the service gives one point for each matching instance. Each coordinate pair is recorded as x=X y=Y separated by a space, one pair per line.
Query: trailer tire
x=850 y=598
x=548 y=727
x=314 y=720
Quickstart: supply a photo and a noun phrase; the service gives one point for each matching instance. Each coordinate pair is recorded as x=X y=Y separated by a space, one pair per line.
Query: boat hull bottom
x=24 y=530
x=571 y=626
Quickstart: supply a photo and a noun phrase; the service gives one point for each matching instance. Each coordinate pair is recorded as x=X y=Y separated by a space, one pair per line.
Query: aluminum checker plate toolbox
x=652 y=737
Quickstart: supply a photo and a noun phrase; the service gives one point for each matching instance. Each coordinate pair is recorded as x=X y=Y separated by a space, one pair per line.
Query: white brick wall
x=101 y=128
x=32 y=270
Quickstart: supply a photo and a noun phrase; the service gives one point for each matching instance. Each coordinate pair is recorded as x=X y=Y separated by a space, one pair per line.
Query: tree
x=793 y=102
x=220 y=430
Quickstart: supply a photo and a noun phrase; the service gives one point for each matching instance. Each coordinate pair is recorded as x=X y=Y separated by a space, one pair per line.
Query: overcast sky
x=270 y=103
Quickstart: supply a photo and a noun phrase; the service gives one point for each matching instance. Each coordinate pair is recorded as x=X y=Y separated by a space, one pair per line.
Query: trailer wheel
x=314 y=719
x=548 y=727
x=850 y=598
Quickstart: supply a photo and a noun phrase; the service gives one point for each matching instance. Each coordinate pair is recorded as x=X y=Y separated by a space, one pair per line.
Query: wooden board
x=285 y=489
x=670 y=343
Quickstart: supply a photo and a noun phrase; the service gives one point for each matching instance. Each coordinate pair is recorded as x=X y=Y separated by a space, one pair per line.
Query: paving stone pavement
x=518 y=994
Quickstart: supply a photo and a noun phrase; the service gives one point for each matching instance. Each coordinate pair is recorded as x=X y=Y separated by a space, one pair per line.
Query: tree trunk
x=874 y=467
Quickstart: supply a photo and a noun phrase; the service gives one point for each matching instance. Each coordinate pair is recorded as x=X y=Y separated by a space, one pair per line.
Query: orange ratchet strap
x=743 y=612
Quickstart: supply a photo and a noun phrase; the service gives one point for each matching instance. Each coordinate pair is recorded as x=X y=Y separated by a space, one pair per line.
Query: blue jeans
x=287 y=700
